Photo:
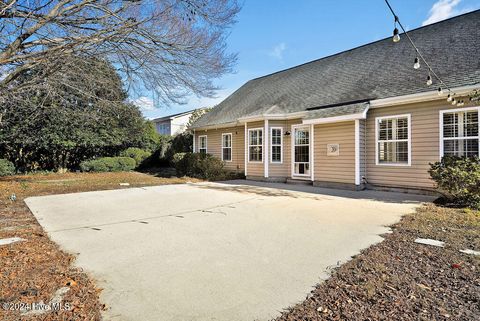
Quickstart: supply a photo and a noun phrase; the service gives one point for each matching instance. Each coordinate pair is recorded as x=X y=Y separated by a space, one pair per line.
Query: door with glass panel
x=301 y=152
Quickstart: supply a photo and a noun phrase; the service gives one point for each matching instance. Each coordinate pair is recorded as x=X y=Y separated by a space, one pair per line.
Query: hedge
x=138 y=154
x=459 y=179
x=108 y=164
x=6 y=167
x=198 y=165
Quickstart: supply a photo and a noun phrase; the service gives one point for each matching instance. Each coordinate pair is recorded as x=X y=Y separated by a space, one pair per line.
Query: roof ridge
x=364 y=45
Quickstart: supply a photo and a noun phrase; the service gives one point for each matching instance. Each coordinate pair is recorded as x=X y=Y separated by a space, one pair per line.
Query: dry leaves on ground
x=402 y=280
x=34 y=269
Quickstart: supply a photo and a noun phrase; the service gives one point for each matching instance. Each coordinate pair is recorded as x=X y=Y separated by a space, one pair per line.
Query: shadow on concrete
x=312 y=192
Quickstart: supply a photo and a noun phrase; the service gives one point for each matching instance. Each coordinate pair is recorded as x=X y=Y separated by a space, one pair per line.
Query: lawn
x=398 y=279
x=34 y=269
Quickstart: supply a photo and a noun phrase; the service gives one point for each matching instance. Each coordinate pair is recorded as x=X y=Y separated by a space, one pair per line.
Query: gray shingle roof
x=377 y=70
x=349 y=109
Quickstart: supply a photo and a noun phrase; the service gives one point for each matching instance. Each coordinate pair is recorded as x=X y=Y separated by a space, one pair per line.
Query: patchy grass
x=31 y=271
x=398 y=279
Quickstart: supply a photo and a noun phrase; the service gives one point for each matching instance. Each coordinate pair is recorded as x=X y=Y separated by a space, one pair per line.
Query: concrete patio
x=214 y=251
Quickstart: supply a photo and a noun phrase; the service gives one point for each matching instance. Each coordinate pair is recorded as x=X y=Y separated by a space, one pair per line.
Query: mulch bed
x=398 y=279
x=33 y=270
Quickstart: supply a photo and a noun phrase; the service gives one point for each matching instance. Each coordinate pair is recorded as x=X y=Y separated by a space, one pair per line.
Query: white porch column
x=357 y=152
x=266 y=147
x=246 y=148
x=312 y=152
x=193 y=151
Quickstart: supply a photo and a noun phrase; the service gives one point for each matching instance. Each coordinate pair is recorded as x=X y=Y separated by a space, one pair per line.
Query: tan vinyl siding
x=338 y=169
x=214 y=145
x=425 y=145
x=256 y=168
x=285 y=168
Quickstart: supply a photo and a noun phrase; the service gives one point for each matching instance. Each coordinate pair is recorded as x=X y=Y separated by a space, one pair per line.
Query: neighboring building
x=360 y=117
x=173 y=124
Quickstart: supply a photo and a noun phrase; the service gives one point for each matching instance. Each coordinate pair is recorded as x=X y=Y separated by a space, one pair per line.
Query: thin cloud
x=443 y=9
x=144 y=103
x=277 y=51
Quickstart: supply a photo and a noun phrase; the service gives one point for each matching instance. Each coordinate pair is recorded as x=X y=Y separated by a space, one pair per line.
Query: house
x=173 y=124
x=362 y=117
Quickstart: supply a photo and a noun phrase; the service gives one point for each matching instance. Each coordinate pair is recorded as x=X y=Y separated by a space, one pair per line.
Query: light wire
x=417 y=50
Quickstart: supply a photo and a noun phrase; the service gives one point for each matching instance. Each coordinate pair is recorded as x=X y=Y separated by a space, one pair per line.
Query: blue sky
x=274 y=35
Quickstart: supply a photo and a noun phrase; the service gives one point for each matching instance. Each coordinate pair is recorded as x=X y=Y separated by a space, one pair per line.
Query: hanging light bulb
x=460 y=103
x=429 y=80
x=416 y=63
x=449 y=98
x=396 y=36
x=454 y=101
x=440 y=91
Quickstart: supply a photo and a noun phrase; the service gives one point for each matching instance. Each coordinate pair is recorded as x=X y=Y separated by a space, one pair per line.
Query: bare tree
x=170 y=47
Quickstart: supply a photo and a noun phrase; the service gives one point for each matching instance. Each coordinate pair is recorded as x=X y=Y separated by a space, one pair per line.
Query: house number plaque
x=333 y=149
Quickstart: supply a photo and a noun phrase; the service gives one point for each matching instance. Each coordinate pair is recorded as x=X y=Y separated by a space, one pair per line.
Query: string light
x=429 y=80
x=440 y=91
x=396 y=36
x=416 y=65
x=460 y=103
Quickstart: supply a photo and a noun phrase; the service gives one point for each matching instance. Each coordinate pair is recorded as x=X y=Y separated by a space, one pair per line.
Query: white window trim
x=440 y=125
x=300 y=176
x=281 y=145
x=248 y=145
x=231 y=147
x=409 y=120
x=200 y=145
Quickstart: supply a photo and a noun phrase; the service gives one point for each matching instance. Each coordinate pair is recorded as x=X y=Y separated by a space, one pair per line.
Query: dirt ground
x=34 y=269
x=402 y=280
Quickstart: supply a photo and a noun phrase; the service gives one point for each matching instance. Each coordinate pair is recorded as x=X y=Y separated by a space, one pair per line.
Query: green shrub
x=108 y=164
x=6 y=167
x=459 y=179
x=167 y=147
x=204 y=166
x=138 y=154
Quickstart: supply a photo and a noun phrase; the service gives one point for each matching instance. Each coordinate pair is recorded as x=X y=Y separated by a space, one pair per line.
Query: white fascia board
x=299 y=114
x=225 y=125
x=426 y=96
x=336 y=119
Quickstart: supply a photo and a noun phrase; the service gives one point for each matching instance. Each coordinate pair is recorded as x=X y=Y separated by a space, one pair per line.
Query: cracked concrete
x=213 y=251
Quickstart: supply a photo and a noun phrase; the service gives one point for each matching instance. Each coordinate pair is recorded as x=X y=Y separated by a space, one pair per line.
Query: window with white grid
x=393 y=140
x=202 y=146
x=255 y=145
x=460 y=133
x=227 y=147
x=276 y=145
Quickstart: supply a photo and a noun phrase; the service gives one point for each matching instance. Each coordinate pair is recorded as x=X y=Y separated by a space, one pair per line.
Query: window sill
x=394 y=164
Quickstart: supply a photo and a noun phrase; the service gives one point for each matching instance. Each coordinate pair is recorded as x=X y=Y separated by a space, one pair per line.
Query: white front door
x=301 y=152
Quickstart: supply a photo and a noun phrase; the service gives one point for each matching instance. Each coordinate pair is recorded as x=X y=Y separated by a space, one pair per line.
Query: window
x=227 y=147
x=163 y=128
x=276 y=145
x=255 y=145
x=393 y=140
x=202 y=146
x=460 y=133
